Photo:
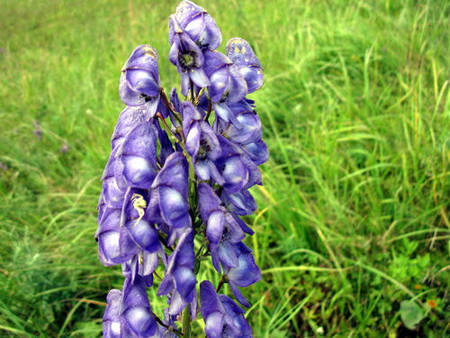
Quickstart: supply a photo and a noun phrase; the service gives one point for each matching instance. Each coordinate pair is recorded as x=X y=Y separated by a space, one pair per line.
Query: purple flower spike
x=223 y=318
x=198 y=24
x=139 y=83
x=173 y=176
x=245 y=60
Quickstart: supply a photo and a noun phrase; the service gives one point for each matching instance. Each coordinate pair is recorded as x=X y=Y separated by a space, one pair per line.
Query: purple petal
x=224 y=112
x=215 y=226
x=144 y=235
x=227 y=255
x=250 y=130
x=239 y=296
x=244 y=58
x=111 y=317
x=174 y=174
x=193 y=140
x=185 y=283
x=241 y=203
x=246 y=273
x=254 y=77
x=220 y=82
x=238 y=86
x=140 y=320
x=176 y=304
x=207 y=200
x=139 y=156
x=166 y=286
x=237 y=314
x=257 y=151
x=142 y=82
x=209 y=300
x=173 y=206
x=109 y=247
x=235 y=173
x=198 y=76
x=214 y=325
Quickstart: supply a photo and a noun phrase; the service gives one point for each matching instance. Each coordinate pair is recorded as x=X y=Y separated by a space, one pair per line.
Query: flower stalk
x=173 y=176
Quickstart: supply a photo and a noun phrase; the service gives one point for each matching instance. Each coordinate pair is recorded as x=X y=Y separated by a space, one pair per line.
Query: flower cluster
x=171 y=189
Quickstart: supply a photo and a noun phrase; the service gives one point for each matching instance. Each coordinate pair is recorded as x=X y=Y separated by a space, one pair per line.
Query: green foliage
x=353 y=229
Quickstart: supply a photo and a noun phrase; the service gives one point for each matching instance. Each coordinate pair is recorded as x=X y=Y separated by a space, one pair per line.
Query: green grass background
x=353 y=216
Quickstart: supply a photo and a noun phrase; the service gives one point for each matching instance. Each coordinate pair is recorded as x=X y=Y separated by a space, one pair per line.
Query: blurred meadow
x=353 y=226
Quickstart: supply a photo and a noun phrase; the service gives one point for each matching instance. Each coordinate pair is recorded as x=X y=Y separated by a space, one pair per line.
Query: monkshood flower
x=169 y=203
x=223 y=318
x=227 y=85
x=240 y=270
x=225 y=232
x=128 y=312
x=247 y=133
x=241 y=203
x=189 y=59
x=238 y=170
x=245 y=60
x=218 y=220
x=201 y=144
x=179 y=173
x=137 y=155
x=139 y=82
x=196 y=23
x=179 y=278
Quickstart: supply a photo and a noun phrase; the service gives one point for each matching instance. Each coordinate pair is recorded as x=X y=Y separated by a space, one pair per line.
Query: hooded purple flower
x=188 y=57
x=126 y=237
x=222 y=227
x=241 y=203
x=128 y=313
x=245 y=60
x=139 y=82
x=246 y=133
x=223 y=318
x=169 y=196
x=201 y=144
x=237 y=169
x=137 y=156
x=197 y=23
x=129 y=118
x=227 y=84
x=241 y=270
x=114 y=241
x=179 y=277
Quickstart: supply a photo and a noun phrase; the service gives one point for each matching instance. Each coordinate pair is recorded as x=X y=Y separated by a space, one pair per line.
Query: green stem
x=187 y=322
x=160 y=322
x=222 y=282
x=209 y=110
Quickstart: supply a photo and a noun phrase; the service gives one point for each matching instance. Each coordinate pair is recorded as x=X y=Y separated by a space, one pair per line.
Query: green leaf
x=411 y=313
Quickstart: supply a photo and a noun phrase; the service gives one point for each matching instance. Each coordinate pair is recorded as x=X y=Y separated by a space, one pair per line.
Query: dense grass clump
x=353 y=221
